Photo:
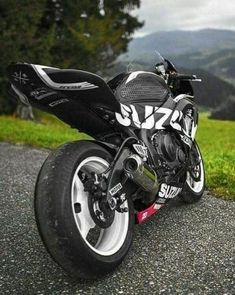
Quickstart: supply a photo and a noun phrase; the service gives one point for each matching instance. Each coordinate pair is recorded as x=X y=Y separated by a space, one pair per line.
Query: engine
x=170 y=153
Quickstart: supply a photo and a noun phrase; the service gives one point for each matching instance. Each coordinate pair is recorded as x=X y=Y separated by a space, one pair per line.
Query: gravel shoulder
x=185 y=249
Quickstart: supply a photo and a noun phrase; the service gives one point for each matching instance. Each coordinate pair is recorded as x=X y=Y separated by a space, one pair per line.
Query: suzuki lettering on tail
x=90 y=193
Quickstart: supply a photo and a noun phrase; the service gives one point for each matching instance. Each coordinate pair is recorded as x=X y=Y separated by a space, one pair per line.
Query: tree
x=91 y=34
x=72 y=34
x=21 y=40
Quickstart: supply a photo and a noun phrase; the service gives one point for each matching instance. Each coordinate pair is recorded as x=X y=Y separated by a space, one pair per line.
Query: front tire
x=64 y=221
x=195 y=180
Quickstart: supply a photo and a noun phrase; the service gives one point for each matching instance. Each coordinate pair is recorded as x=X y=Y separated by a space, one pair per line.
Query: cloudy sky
x=185 y=15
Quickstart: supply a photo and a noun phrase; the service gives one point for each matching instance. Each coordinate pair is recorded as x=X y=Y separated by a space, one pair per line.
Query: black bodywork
x=91 y=110
x=81 y=108
x=86 y=102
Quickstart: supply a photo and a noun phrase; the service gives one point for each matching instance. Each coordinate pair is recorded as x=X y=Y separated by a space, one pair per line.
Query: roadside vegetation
x=49 y=133
x=216 y=139
x=217 y=142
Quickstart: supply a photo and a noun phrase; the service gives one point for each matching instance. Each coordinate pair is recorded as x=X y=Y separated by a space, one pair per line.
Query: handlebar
x=177 y=76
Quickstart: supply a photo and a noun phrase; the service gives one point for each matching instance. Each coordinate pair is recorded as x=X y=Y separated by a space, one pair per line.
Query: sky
x=167 y=15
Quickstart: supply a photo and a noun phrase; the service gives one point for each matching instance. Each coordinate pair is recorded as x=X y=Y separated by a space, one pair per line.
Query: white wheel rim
x=196 y=186
x=109 y=240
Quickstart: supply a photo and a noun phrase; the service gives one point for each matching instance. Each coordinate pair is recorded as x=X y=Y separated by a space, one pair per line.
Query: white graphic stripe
x=66 y=86
x=133 y=75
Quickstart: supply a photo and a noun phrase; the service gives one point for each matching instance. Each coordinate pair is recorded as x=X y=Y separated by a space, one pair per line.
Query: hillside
x=210 y=49
x=220 y=63
x=209 y=53
x=180 y=42
x=226 y=111
x=212 y=92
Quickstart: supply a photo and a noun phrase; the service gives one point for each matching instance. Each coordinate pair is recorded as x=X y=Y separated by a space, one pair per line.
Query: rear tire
x=63 y=217
x=194 y=185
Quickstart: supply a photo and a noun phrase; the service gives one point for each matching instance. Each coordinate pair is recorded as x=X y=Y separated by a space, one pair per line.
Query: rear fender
x=78 y=107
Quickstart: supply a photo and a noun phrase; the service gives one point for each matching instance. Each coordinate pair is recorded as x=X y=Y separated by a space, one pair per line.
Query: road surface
x=185 y=249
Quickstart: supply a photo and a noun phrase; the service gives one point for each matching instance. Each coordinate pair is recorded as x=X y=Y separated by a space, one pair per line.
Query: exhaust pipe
x=141 y=174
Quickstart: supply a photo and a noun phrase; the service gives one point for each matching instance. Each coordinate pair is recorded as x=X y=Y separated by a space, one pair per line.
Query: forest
x=78 y=34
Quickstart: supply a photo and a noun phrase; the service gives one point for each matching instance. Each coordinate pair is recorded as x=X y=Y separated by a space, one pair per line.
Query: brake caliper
x=100 y=210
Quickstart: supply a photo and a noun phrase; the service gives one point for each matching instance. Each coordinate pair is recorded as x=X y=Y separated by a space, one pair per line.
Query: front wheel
x=195 y=178
x=63 y=214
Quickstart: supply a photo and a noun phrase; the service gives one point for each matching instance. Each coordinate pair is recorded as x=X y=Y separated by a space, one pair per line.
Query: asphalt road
x=185 y=249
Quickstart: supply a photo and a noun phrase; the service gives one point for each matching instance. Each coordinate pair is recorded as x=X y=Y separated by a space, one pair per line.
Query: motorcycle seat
x=69 y=79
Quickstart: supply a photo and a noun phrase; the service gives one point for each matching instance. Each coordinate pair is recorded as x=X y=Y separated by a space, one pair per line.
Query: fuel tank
x=141 y=87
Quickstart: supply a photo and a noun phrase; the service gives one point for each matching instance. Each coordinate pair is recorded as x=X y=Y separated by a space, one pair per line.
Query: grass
x=49 y=133
x=216 y=140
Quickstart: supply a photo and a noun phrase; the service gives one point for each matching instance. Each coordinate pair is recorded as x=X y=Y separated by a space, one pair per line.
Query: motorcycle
x=90 y=193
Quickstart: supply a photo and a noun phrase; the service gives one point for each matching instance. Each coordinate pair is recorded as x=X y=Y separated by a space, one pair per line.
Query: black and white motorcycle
x=90 y=193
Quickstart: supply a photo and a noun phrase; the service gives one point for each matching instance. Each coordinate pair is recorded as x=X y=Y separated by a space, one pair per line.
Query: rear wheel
x=195 y=181
x=64 y=218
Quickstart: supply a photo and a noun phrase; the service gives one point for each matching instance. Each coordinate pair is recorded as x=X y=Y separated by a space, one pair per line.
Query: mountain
x=209 y=49
x=208 y=53
x=180 y=42
x=220 y=63
x=213 y=92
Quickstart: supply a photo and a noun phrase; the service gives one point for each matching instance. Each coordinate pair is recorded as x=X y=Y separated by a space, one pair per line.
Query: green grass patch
x=216 y=140
x=49 y=133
